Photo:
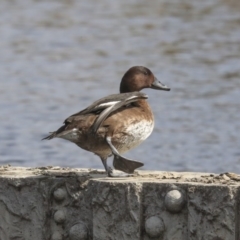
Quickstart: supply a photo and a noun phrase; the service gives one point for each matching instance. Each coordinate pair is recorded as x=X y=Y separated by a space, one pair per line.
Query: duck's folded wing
x=128 y=98
x=100 y=105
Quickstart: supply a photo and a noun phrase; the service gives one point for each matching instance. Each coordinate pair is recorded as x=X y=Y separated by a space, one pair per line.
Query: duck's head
x=137 y=78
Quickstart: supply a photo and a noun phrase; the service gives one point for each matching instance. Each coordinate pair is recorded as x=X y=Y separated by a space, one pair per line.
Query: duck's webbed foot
x=110 y=171
x=121 y=163
x=126 y=165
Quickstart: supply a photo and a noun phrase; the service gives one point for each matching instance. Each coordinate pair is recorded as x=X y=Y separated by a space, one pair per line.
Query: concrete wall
x=77 y=204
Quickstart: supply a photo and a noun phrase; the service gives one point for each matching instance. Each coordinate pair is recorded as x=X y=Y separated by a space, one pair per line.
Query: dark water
x=58 y=56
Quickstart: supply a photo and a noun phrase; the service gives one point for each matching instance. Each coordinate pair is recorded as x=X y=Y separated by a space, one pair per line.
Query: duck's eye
x=145 y=73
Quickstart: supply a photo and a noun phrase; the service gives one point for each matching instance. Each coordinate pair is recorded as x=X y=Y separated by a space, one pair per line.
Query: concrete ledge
x=54 y=203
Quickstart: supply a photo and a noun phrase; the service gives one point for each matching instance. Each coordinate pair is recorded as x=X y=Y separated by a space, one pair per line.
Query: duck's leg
x=121 y=163
x=104 y=161
x=107 y=168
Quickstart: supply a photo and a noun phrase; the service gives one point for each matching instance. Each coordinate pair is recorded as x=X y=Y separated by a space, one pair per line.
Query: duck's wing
x=107 y=105
x=101 y=108
x=128 y=98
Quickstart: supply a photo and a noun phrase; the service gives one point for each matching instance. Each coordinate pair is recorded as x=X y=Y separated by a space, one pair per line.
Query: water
x=57 y=57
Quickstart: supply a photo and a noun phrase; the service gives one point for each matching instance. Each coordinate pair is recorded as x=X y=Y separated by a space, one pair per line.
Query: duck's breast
x=133 y=135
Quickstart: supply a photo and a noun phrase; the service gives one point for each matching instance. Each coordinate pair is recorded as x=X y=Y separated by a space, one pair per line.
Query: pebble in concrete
x=154 y=227
x=59 y=216
x=174 y=201
x=56 y=236
x=78 y=232
x=59 y=194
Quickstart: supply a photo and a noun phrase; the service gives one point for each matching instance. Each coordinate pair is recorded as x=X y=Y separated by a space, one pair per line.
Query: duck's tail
x=51 y=136
x=57 y=133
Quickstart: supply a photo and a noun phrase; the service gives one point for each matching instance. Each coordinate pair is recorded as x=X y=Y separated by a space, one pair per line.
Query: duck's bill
x=159 y=86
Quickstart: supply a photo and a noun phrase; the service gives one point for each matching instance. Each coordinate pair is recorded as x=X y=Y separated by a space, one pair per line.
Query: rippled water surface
x=57 y=57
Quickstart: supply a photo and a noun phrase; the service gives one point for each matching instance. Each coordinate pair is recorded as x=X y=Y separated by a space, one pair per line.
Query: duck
x=116 y=123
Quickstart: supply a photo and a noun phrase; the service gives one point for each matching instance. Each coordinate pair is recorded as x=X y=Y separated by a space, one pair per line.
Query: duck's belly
x=133 y=135
x=123 y=139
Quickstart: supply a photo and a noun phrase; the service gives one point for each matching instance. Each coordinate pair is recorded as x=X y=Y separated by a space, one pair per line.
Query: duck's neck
x=126 y=87
x=146 y=109
x=143 y=103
